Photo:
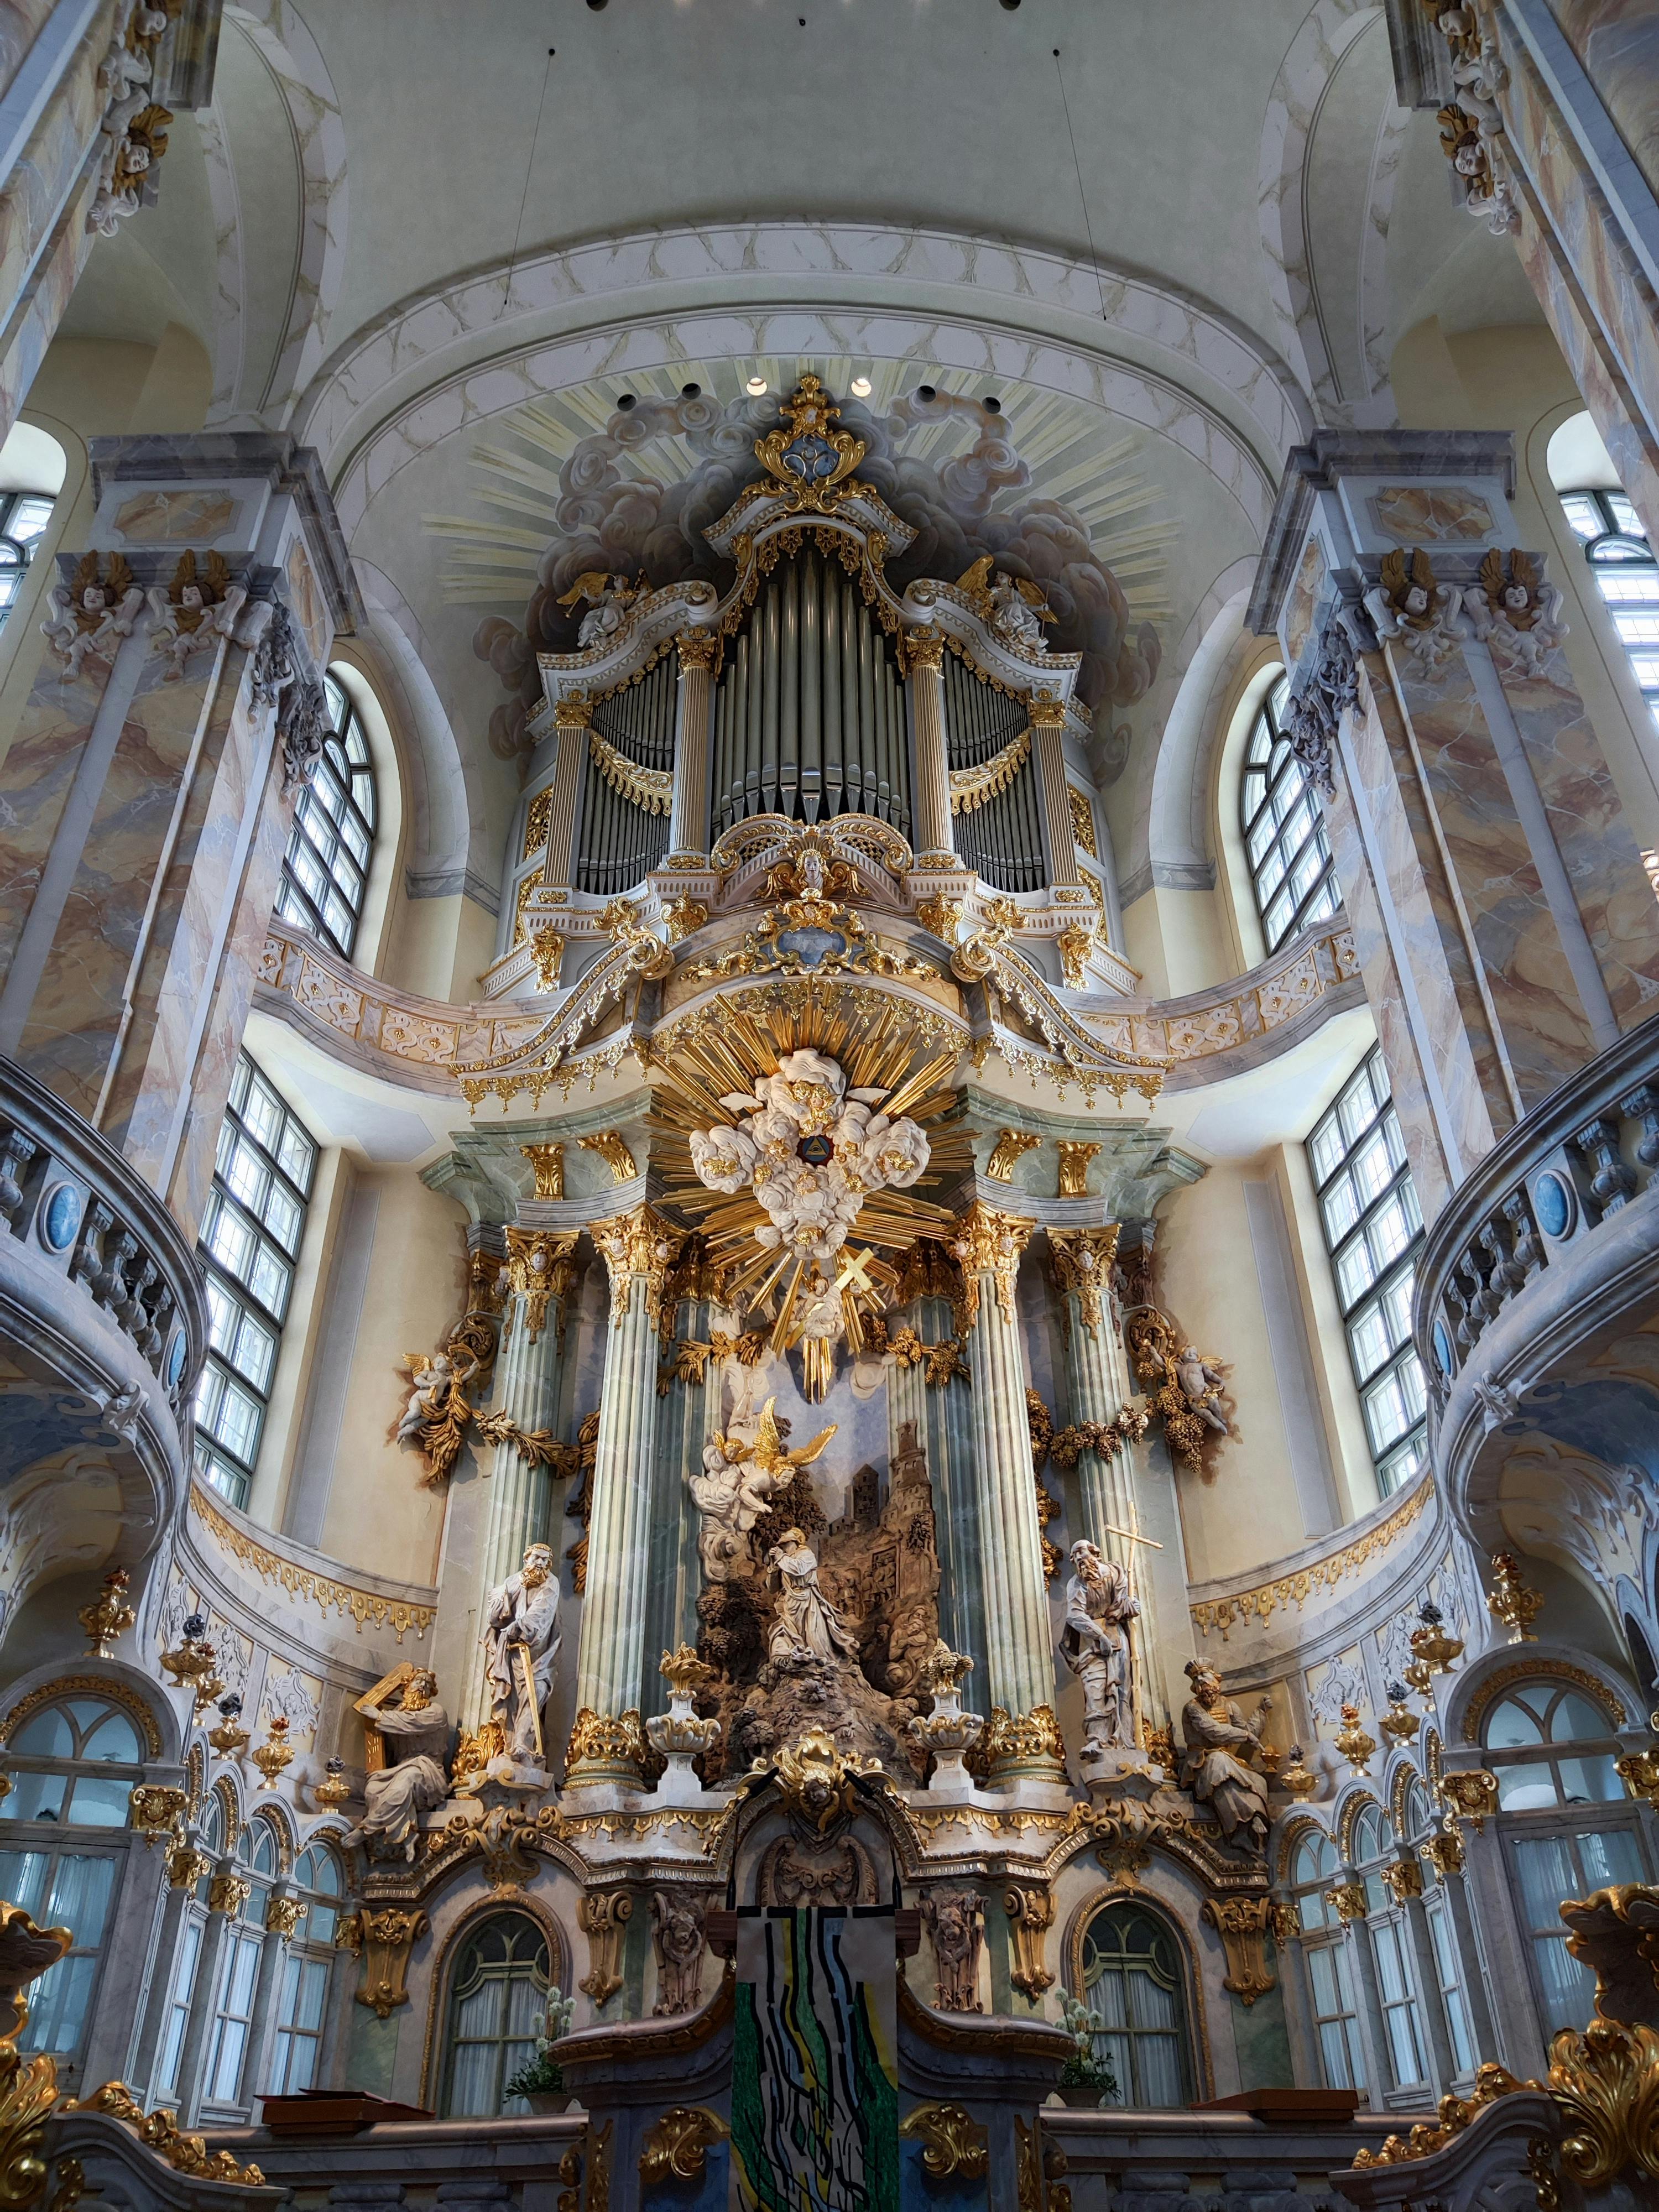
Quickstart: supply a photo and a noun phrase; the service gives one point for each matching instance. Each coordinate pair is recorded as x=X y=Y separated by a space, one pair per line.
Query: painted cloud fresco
x=638 y=492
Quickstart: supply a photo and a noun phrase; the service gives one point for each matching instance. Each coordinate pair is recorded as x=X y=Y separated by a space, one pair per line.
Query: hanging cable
x=1083 y=197
x=529 y=170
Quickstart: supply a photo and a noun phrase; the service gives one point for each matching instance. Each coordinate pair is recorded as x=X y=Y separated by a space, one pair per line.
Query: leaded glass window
x=1523 y=1732
x=1132 y=1980
x=250 y=1240
x=302 y=2000
x=1315 y=1869
x=1284 y=828
x=325 y=868
x=1617 y=548
x=1373 y=1229
x=76 y=1761
x=23 y=519
x=62 y=1889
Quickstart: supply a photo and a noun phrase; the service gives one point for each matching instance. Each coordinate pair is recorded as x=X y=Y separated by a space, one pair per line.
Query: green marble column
x=689 y=1416
x=943 y=1415
x=1023 y=1739
x=608 y=1740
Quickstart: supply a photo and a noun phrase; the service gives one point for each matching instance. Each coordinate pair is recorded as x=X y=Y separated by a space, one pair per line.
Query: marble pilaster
x=572 y=720
x=639 y=1249
x=1019 y=1667
x=1048 y=744
x=942 y=1414
x=688 y=825
x=689 y=1416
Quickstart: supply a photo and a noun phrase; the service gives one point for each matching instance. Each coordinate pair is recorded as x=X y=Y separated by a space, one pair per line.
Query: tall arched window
x=1392 y=1950
x=1617 y=548
x=1131 y=1979
x=325 y=868
x=301 y=2006
x=181 y=1989
x=238 y=1990
x=32 y=470
x=1567 y=1827
x=1284 y=828
x=497 y=1999
x=1315 y=1869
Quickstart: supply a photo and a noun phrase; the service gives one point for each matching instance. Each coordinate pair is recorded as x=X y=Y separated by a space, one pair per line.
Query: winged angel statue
x=735 y=1485
x=1014 y=606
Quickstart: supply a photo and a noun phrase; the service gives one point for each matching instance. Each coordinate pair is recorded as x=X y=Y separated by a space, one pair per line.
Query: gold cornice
x=1261 y=1603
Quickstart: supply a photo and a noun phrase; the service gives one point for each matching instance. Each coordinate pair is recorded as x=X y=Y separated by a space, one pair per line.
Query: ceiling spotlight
x=860 y=387
x=925 y=393
x=627 y=401
x=755 y=386
x=992 y=405
x=690 y=391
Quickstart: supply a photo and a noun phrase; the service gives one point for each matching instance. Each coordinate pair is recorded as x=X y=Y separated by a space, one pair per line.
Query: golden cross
x=853 y=1270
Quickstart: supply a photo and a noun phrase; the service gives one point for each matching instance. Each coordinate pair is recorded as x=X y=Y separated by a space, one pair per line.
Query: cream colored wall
x=1515 y=379
x=1176 y=940
x=331 y=1188
x=440 y=947
x=378 y=1516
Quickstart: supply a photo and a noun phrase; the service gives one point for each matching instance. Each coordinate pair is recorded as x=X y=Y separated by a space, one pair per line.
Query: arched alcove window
x=1315 y=1868
x=1372 y=1846
x=1131 y=1979
x=242 y=1948
x=187 y=1957
x=325 y=867
x=497 y=1999
x=1565 y=1823
x=1283 y=826
x=302 y=2002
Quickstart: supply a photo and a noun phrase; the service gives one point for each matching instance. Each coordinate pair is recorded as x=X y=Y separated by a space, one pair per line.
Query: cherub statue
x=194 y=611
x=90 y=617
x=1517 y=612
x=1200 y=1385
x=609 y=599
x=1409 y=605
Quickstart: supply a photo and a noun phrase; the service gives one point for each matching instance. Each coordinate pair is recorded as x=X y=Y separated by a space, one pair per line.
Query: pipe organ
x=997 y=825
x=628 y=784
x=809 y=709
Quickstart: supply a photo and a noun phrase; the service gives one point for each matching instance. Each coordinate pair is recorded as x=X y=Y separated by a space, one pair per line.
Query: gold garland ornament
x=651 y=788
x=972 y=787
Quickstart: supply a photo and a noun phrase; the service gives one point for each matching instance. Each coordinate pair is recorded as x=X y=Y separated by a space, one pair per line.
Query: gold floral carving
x=365 y=1608
x=923 y=647
x=1259 y=1604
x=1348 y=1901
x=536 y=820
x=971 y=787
x=1606 y=2087
x=639 y=1247
x=1444 y=1851
x=1081 y=1259
x=598 y=1740
x=613 y=1149
x=228 y=1894
x=1010 y=1146
x=989 y=1242
x=1490 y=2082
x=817 y=1782
x=1242 y=1924
x=811 y=413
x=1023 y=1739
x=602 y=1916
x=1075 y=945
x=677 y=2145
x=384 y=1938
x=650 y=789
x=186 y=1866
x=1083 y=822
x=282 y=1914
x=696 y=647
x=158 y=1809
x=1473 y=1796
x=547 y=950
x=547 y=1165
x=682 y=917
x=940 y=915
x=160 y=2132
x=540 y=1268
x=1074 y=1158
x=1030 y=1910
x=956 y=2145
x=28 y=2088
x=1403 y=1878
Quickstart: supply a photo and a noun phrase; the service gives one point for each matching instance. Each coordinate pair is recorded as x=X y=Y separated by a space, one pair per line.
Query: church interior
x=828 y=1154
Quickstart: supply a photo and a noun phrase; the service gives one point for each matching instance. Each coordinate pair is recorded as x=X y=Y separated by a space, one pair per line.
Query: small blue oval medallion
x=1443 y=1347
x=1554 y=1204
x=812 y=947
x=176 y=1352
x=60 y=1216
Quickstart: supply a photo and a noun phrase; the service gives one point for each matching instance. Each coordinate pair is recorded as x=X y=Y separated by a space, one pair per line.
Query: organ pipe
x=1002 y=838
x=618 y=838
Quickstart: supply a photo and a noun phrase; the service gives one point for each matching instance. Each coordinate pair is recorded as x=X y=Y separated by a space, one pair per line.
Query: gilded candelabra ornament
x=190 y=1660
x=1399 y=1723
x=1512 y=1601
x=1433 y=1652
x=1297 y=1779
x=230 y=1739
x=333 y=1792
x=276 y=1752
x=1351 y=1741
x=109 y=1617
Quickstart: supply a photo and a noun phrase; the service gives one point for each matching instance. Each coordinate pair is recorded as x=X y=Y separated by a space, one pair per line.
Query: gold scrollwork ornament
x=677 y=2146
x=956 y=2145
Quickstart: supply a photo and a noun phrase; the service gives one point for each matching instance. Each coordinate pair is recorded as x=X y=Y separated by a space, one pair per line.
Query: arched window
x=325 y=868
x=302 y=2004
x=239 y=1977
x=47 y=1752
x=1131 y=1979
x=32 y=470
x=1372 y=1846
x=1617 y=548
x=497 y=1999
x=1416 y=1824
x=185 y=1958
x=1315 y=1868
x=1283 y=823
x=1521 y=1730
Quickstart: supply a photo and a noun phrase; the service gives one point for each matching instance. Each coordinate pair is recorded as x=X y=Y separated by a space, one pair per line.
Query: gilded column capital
x=539 y=1268
x=575 y=712
x=1047 y=711
x=604 y=1748
x=696 y=648
x=639 y=1246
x=989 y=1242
x=922 y=648
x=1080 y=1261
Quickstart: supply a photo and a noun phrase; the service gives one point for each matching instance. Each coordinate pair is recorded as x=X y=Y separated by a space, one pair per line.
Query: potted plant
x=540 y=2080
x=1085 y=2079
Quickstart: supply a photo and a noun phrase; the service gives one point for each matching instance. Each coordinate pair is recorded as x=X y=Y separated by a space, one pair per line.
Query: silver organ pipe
x=1002 y=838
x=618 y=841
x=809 y=710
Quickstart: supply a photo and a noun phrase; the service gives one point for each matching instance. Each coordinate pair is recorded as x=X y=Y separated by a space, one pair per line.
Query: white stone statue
x=1095 y=1644
x=193 y=616
x=1215 y=1764
x=806 y=1624
x=523 y=1616
x=416 y=1731
x=610 y=597
x=735 y=1483
x=90 y=617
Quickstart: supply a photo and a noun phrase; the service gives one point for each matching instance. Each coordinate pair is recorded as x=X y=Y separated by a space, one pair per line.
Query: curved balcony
x=103 y=1328
x=1534 y=1292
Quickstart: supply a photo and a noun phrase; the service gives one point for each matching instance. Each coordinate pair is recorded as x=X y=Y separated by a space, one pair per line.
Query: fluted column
x=608 y=1740
x=1019 y=1667
x=528 y=1365
x=942 y=1416
x=688 y=1417
x=1047 y=744
x=687 y=822
x=571 y=717
x=924 y=685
